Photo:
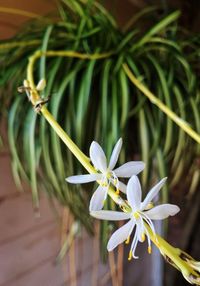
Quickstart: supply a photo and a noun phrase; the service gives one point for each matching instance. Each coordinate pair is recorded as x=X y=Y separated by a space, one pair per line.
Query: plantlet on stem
x=30 y=92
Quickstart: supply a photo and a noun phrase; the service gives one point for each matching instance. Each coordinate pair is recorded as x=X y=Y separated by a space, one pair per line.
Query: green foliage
x=94 y=99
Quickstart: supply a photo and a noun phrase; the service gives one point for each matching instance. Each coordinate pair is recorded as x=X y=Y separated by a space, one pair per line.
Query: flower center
x=111 y=177
x=136 y=215
x=108 y=174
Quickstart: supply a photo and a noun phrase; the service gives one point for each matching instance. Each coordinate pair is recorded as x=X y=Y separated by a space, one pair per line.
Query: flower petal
x=134 y=193
x=120 y=235
x=98 y=157
x=122 y=187
x=110 y=215
x=130 y=168
x=115 y=154
x=97 y=199
x=152 y=193
x=82 y=179
x=162 y=211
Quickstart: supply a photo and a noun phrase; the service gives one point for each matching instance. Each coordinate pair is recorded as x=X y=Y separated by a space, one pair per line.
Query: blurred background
x=30 y=241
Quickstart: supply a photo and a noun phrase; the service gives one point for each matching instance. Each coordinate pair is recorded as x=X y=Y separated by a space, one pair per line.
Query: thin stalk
x=178 y=120
x=70 y=54
x=11 y=45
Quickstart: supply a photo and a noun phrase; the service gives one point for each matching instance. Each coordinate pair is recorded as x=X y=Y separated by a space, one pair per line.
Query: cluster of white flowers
x=140 y=214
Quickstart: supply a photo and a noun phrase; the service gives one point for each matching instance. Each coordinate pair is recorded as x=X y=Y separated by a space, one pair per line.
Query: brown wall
x=123 y=9
x=10 y=23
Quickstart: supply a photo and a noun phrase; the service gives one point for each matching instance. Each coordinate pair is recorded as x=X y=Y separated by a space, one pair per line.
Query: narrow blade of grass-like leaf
x=156 y=29
x=30 y=153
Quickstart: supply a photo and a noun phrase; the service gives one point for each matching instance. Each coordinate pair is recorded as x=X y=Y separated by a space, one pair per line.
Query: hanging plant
x=103 y=82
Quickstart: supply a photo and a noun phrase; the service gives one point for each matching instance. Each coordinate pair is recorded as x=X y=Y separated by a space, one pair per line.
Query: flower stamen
x=143 y=237
x=136 y=215
x=115 y=182
x=130 y=255
x=149 y=249
x=127 y=240
x=117 y=192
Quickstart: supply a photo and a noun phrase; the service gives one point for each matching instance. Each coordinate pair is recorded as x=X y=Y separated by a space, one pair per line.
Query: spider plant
x=95 y=98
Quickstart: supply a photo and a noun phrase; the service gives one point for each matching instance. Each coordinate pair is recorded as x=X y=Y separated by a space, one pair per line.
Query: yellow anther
x=108 y=175
x=128 y=240
x=149 y=249
x=149 y=206
x=104 y=184
x=130 y=255
x=117 y=192
x=143 y=237
x=136 y=215
x=115 y=182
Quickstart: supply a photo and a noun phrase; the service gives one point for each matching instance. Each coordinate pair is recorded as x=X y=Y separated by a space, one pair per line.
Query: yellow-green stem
x=171 y=253
x=179 y=121
x=85 y=161
x=38 y=54
x=11 y=45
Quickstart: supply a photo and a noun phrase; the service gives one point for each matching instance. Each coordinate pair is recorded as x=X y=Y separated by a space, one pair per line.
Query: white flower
x=139 y=216
x=106 y=174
